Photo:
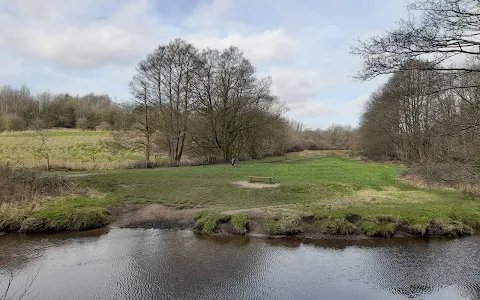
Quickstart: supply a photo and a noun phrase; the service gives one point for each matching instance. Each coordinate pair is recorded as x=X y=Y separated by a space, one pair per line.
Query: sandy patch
x=257 y=185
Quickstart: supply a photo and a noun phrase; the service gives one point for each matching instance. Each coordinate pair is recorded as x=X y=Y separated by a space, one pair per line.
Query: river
x=163 y=264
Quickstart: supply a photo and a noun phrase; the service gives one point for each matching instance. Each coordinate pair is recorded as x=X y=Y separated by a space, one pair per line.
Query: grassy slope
x=69 y=148
x=330 y=186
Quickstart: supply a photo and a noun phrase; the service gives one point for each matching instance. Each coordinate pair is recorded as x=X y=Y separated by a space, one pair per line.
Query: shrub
x=24 y=184
x=103 y=126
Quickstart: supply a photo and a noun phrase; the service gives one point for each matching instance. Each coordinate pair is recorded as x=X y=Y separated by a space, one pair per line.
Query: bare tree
x=168 y=74
x=140 y=92
x=435 y=30
x=43 y=150
x=231 y=100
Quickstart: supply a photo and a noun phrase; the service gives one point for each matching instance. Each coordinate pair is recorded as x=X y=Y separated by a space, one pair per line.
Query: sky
x=83 y=46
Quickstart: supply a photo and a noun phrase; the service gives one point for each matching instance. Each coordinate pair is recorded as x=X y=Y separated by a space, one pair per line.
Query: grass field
x=328 y=188
x=68 y=148
x=328 y=194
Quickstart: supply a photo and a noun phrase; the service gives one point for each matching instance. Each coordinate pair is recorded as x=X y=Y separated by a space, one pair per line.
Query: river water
x=162 y=264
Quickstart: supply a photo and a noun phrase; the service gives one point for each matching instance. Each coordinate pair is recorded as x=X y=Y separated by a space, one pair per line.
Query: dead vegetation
x=33 y=200
x=22 y=184
x=464 y=177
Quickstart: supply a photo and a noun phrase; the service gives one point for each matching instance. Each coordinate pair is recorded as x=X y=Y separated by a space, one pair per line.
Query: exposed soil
x=152 y=216
x=257 y=185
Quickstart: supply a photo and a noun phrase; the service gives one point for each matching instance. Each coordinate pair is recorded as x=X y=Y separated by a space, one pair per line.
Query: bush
x=26 y=184
x=103 y=126
x=455 y=175
x=11 y=122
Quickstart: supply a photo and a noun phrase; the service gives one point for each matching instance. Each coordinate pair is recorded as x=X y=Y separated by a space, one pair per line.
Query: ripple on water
x=156 y=264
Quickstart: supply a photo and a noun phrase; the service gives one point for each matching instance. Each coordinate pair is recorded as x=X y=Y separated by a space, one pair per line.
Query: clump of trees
x=203 y=104
x=429 y=110
x=335 y=137
x=20 y=110
x=206 y=103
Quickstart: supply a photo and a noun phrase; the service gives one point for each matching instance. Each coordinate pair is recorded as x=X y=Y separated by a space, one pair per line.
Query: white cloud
x=210 y=14
x=361 y=100
x=93 y=45
x=116 y=40
x=308 y=109
x=267 y=46
x=299 y=88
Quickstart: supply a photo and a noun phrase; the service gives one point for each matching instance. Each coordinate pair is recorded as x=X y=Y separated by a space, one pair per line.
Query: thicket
x=25 y=184
x=428 y=112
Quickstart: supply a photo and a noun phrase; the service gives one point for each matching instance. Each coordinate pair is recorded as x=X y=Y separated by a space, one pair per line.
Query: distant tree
x=43 y=149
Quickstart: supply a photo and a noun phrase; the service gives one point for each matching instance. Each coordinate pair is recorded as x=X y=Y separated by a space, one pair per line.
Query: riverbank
x=273 y=222
x=312 y=196
x=282 y=222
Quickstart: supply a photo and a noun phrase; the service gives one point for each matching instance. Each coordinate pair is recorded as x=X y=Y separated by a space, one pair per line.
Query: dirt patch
x=152 y=216
x=257 y=185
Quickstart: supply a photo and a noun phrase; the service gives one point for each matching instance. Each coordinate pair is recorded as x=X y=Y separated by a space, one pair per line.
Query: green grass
x=55 y=214
x=333 y=195
x=332 y=187
x=315 y=181
x=336 y=227
x=207 y=221
x=240 y=223
x=68 y=148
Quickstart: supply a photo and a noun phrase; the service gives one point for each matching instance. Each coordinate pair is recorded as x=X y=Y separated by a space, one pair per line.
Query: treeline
x=185 y=103
x=211 y=104
x=207 y=103
x=428 y=113
x=414 y=118
x=335 y=137
x=19 y=109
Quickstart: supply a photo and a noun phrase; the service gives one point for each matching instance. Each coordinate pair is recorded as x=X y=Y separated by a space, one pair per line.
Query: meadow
x=68 y=148
x=326 y=191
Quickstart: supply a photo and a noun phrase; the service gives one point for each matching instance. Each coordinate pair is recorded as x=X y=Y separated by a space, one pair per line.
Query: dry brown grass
x=72 y=149
x=444 y=176
x=22 y=184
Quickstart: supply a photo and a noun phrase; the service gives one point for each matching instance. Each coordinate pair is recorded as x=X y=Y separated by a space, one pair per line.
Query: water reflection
x=156 y=264
x=18 y=250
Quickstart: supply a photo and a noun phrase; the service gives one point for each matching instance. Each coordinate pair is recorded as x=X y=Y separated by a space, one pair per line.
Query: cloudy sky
x=81 y=46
